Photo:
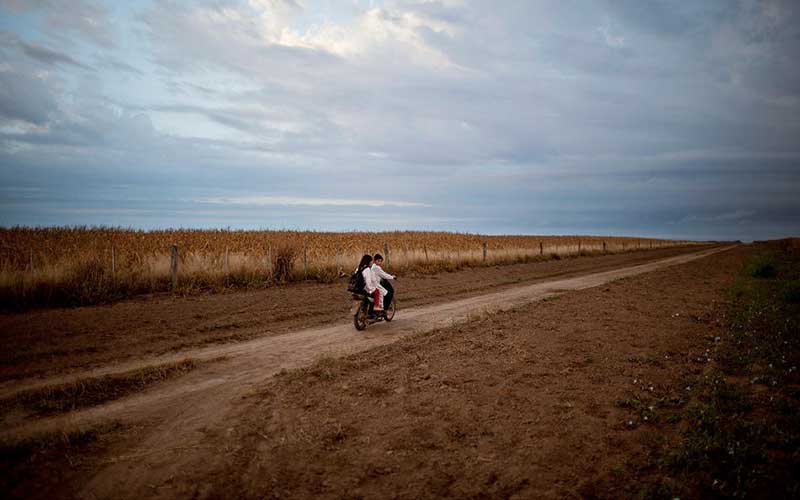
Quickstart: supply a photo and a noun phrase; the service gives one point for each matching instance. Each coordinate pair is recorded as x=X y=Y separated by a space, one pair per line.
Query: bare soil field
x=532 y=402
x=523 y=404
x=44 y=342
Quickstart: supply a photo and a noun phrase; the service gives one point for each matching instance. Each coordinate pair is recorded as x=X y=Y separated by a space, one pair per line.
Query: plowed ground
x=524 y=402
x=45 y=342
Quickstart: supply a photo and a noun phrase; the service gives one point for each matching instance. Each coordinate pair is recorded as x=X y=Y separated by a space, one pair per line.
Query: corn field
x=80 y=266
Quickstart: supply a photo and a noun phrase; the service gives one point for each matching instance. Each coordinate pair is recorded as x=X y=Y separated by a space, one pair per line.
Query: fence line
x=403 y=257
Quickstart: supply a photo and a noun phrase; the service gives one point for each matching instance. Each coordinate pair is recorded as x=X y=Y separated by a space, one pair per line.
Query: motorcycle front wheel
x=392 y=309
x=360 y=317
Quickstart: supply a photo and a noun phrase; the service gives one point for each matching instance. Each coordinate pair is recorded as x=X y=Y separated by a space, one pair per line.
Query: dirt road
x=178 y=416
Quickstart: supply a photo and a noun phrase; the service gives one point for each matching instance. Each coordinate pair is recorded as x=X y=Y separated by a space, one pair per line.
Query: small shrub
x=283 y=263
x=91 y=283
x=763 y=267
x=629 y=403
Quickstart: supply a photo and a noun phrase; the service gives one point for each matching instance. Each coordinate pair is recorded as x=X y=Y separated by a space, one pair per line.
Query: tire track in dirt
x=181 y=414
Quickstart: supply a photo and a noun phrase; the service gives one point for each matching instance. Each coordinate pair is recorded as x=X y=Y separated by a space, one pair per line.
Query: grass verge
x=42 y=460
x=94 y=391
x=740 y=433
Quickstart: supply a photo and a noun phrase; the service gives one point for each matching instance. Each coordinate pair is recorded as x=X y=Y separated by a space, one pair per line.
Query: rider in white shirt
x=373 y=287
x=382 y=278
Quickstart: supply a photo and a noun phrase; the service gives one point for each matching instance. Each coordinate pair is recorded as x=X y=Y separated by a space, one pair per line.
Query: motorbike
x=363 y=314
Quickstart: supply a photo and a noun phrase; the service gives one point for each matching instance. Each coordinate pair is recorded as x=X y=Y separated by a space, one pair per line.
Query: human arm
x=381 y=274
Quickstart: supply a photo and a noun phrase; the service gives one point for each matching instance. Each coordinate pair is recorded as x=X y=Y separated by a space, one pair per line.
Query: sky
x=622 y=117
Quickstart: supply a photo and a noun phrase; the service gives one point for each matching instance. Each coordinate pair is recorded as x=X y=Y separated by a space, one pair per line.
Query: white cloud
x=372 y=33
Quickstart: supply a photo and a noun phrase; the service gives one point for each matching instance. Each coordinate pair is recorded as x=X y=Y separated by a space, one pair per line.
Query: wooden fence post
x=484 y=251
x=227 y=263
x=426 y=253
x=305 y=259
x=338 y=260
x=173 y=266
x=386 y=253
x=604 y=247
x=541 y=248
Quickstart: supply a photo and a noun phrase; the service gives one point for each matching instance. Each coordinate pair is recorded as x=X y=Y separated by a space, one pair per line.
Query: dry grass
x=44 y=460
x=11 y=449
x=96 y=390
x=81 y=266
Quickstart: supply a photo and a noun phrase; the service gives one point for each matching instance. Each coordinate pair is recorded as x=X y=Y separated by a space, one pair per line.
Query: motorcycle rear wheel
x=360 y=317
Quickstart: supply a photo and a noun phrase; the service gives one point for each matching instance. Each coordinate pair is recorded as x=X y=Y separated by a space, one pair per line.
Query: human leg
x=387 y=300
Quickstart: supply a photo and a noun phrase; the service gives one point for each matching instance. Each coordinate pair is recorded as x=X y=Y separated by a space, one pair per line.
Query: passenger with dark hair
x=371 y=283
x=366 y=260
x=357 y=280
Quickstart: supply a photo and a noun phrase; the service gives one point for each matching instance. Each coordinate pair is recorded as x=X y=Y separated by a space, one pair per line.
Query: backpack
x=357 y=282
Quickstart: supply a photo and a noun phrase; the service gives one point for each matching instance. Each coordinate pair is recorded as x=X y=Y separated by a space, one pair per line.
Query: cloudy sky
x=675 y=119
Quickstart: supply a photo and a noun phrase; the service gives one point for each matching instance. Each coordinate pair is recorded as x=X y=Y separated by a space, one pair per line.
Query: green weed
x=731 y=436
x=763 y=266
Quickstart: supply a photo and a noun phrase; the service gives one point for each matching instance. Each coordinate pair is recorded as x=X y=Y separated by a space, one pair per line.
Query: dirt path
x=181 y=413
